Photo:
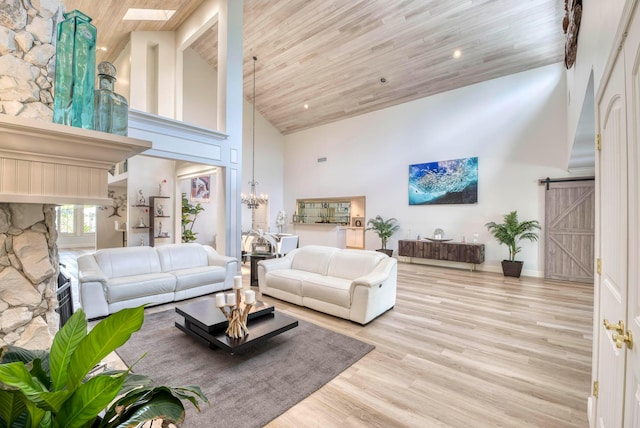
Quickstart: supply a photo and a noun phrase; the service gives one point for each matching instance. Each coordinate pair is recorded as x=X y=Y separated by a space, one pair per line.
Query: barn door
x=569 y=230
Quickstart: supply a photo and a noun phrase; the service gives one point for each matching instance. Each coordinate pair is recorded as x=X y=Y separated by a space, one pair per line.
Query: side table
x=255 y=258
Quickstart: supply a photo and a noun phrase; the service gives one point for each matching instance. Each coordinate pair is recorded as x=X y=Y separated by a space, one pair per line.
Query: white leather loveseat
x=118 y=278
x=357 y=285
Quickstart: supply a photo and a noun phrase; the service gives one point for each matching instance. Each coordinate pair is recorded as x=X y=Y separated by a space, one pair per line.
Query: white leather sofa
x=116 y=278
x=357 y=285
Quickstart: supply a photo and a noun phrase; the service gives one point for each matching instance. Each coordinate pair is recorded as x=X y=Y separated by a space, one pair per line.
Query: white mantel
x=43 y=162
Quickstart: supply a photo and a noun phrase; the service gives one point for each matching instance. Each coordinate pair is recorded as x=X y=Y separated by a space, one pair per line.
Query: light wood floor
x=460 y=349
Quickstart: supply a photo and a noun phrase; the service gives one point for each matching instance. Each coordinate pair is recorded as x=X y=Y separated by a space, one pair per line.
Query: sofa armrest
x=89 y=270
x=377 y=276
x=230 y=264
x=275 y=264
x=215 y=259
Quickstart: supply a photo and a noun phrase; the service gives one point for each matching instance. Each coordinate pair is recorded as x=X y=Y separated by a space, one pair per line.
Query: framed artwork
x=444 y=182
x=201 y=188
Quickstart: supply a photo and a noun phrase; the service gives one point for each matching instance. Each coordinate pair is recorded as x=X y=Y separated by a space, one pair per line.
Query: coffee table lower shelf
x=260 y=329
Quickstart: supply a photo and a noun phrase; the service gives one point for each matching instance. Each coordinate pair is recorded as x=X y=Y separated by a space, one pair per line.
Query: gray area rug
x=246 y=390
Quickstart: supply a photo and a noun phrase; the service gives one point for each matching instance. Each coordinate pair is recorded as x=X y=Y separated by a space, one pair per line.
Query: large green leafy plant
x=512 y=231
x=42 y=389
x=190 y=213
x=384 y=228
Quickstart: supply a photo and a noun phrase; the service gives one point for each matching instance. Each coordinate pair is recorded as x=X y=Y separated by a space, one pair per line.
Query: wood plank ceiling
x=332 y=54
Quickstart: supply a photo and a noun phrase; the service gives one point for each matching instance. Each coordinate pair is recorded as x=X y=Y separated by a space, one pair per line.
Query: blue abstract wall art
x=445 y=182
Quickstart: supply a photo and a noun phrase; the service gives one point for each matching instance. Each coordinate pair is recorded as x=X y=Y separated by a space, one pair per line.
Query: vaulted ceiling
x=342 y=58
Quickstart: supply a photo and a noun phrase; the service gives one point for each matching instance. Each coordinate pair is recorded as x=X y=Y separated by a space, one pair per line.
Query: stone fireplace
x=42 y=164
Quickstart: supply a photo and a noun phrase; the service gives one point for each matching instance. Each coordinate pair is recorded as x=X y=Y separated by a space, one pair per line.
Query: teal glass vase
x=111 y=109
x=75 y=71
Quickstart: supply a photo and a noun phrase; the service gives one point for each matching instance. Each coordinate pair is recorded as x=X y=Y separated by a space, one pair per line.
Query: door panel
x=569 y=231
x=632 y=73
x=612 y=288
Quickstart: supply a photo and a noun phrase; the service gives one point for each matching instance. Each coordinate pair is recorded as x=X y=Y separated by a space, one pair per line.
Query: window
x=76 y=220
x=66 y=219
x=89 y=225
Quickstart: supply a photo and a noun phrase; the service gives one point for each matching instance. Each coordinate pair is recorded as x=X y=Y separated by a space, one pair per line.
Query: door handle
x=623 y=338
x=619 y=328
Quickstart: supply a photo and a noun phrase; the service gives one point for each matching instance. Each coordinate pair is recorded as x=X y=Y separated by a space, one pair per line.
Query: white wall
x=269 y=166
x=152 y=88
x=146 y=173
x=200 y=91
x=106 y=234
x=598 y=27
x=205 y=225
x=515 y=125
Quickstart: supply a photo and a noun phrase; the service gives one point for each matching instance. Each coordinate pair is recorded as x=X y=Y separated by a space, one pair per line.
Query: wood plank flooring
x=462 y=349
x=459 y=349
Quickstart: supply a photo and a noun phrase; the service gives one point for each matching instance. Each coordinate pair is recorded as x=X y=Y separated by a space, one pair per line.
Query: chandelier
x=253 y=200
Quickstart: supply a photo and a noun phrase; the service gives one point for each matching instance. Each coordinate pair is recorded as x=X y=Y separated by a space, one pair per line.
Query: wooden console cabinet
x=450 y=251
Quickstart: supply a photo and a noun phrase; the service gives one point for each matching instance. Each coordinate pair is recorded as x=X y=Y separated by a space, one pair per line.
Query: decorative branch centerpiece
x=235 y=310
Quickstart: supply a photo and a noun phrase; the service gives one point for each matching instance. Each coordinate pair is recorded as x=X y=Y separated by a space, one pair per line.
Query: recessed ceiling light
x=383 y=80
x=102 y=48
x=457 y=53
x=148 y=15
x=306 y=106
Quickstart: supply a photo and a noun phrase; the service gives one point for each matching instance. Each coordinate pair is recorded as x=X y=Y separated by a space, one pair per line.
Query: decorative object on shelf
x=475 y=237
x=294 y=218
x=263 y=242
x=438 y=234
x=111 y=109
x=190 y=213
x=280 y=220
x=438 y=240
x=73 y=102
x=235 y=310
x=141 y=223
x=201 y=188
x=142 y=241
x=444 y=182
x=141 y=199
x=160 y=228
x=385 y=229
x=253 y=200
x=358 y=223
x=160 y=211
x=161 y=187
x=510 y=233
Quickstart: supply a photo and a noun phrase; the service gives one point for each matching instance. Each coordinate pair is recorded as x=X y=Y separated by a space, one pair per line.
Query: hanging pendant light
x=253 y=200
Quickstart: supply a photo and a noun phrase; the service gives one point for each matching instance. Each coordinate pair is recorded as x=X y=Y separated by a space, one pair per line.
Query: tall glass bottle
x=111 y=109
x=75 y=71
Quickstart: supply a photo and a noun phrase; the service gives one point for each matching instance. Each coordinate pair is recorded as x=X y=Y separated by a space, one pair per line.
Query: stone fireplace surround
x=41 y=165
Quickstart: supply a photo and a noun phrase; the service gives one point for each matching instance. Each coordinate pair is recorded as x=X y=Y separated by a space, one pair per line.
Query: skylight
x=148 y=15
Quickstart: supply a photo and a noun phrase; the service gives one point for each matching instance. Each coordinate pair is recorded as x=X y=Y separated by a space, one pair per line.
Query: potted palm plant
x=510 y=233
x=384 y=229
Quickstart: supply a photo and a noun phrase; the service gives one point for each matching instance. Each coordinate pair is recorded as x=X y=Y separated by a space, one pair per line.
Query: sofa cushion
x=328 y=289
x=351 y=264
x=129 y=261
x=132 y=287
x=181 y=256
x=288 y=280
x=198 y=276
x=312 y=258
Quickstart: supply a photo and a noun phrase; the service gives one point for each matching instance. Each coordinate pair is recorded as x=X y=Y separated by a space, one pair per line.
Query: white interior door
x=612 y=287
x=632 y=72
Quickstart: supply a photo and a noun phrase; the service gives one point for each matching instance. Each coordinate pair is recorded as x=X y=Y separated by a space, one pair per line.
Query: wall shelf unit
x=159 y=222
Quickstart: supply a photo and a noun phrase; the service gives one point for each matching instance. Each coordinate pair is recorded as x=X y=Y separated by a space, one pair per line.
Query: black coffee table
x=205 y=322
